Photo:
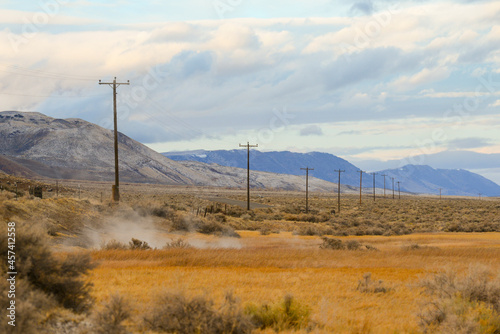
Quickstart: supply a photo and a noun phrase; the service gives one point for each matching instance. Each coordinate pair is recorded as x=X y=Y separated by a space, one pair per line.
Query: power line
x=45 y=74
x=392 y=187
x=384 y=175
x=360 y=183
x=248 y=171
x=374 y=185
x=52 y=96
x=338 y=188
x=307 y=169
x=114 y=85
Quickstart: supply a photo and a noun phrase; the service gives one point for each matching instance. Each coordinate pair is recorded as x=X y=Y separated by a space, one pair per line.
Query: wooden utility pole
x=399 y=190
x=440 y=193
x=116 y=187
x=384 y=175
x=392 y=187
x=360 y=184
x=374 y=185
x=307 y=169
x=248 y=171
x=338 y=189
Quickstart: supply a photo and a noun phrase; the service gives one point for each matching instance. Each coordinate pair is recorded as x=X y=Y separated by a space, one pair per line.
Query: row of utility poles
x=116 y=187
x=339 y=171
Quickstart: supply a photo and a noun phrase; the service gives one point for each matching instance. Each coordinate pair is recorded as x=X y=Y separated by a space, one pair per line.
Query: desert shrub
x=292 y=209
x=162 y=211
x=176 y=313
x=219 y=217
x=138 y=244
x=31 y=306
x=179 y=243
x=216 y=228
x=367 y=285
x=331 y=243
x=60 y=278
x=114 y=245
x=184 y=222
x=467 y=304
x=109 y=318
x=411 y=246
x=265 y=231
x=353 y=245
x=308 y=231
x=285 y=315
x=246 y=217
x=44 y=280
x=371 y=248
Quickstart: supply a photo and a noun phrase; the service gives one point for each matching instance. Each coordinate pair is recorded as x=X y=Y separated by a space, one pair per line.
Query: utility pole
x=399 y=190
x=440 y=193
x=248 y=171
x=384 y=175
x=338 y=188
x=116 y=187
x=374 y=185
x=307 y=169
x=360 y=183
x=392 y=187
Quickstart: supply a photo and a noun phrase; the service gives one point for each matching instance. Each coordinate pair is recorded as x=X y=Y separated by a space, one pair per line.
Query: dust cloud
x=127 y=225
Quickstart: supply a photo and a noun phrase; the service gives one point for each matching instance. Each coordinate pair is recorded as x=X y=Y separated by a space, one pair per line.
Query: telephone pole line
x=307 y=169
x=338 y=188
x=392 y=187
x=384 y=175
x=248 y=171
x=116 y=187
x=399 y=190
x=374 y=185
x=360 y=183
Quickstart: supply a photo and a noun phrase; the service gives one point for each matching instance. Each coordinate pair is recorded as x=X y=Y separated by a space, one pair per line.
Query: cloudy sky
x=369 y=79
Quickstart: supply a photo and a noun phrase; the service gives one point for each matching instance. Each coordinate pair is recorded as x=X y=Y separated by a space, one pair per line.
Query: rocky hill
x=33 y=144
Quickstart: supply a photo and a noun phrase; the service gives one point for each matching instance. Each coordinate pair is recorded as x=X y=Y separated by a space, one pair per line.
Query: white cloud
x=221 y=74
x=311 y=130
x=495 y=104
x=425 y=77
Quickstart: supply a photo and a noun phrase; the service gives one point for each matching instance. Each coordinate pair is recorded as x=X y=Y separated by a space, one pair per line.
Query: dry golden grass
x=264 y=268
x=324 y=279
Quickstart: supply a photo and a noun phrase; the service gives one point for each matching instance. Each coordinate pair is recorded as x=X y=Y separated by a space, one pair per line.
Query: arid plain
x=365 y=269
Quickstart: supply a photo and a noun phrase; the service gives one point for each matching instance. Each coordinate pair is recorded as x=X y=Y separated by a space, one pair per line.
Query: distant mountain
x=425 y=179
x=413 y=178
x=284 y=162
x=461 y=159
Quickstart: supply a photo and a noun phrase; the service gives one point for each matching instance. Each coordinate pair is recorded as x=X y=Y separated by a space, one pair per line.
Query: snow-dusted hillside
x=76 y=149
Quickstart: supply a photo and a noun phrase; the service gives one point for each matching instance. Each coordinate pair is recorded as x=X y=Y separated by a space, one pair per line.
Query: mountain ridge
x=77 y=149
x=413 y=178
